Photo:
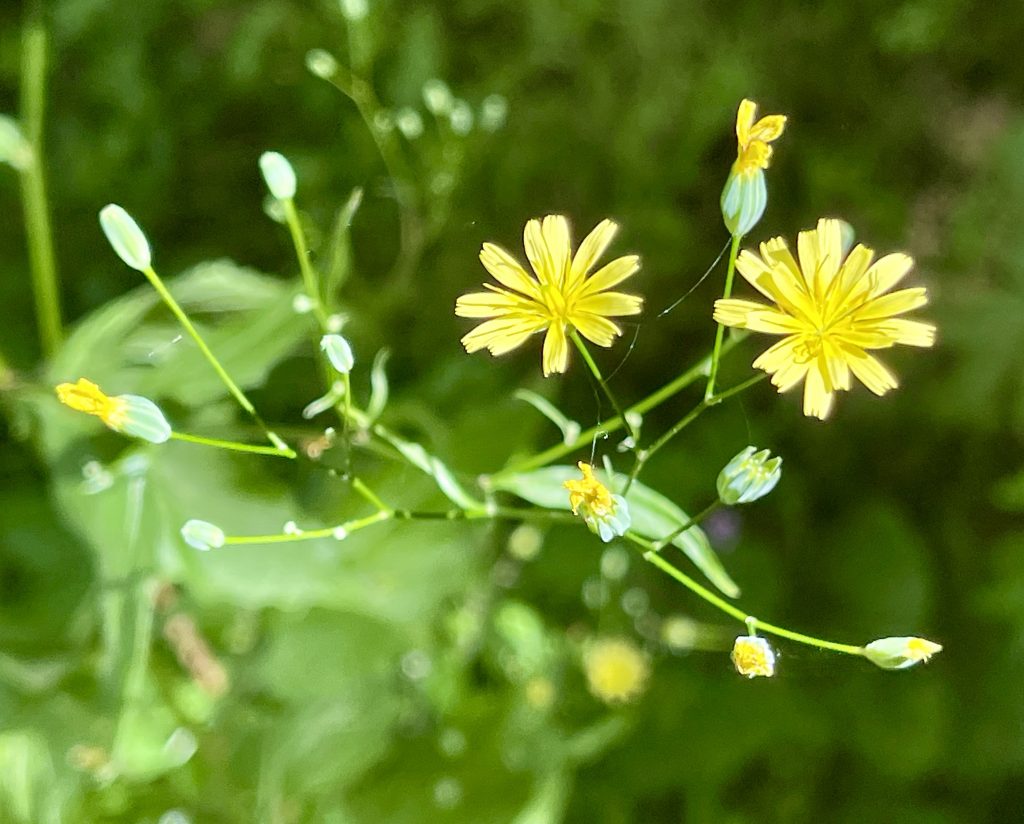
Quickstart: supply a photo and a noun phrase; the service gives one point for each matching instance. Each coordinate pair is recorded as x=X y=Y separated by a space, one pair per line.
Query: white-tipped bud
x=202 y=535
x=493 y=112
x=321 y=63
x=354 y=10
x=901 y=652
x=461 y=117
x=339 y=353
x=748 y=476
x=743 y=201
x=437 y=97
x=753 y=656
x=14 y=148
x=125 y=237
x=279 y=175
x=409 y=123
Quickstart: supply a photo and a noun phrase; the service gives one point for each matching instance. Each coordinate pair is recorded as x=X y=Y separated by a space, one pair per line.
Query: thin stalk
x=309 y=276
x=660 y=544
x=724 y=606
x=596 y=372
x=720 y=333
x=233 y=446
x=38 y=230
x=226 y=379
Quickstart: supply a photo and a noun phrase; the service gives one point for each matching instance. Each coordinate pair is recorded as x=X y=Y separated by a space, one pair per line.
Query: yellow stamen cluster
x=589 y=493
x=85 y=396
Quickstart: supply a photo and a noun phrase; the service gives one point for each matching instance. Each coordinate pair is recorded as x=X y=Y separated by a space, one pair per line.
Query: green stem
x=596 y=372
x=720 y=333
x=659 y=396
x=38 y=230
x=660 y=544
x=309 y=276
x=233 y=446
x=233 y=388
x=705 y=594
x=371 y=497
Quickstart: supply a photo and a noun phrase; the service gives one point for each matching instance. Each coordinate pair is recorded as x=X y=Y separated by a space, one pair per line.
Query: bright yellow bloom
x=85 y=396
x=753 y=656
x=830 y=311
x=753 y=151
x=560 y=296
x=617 y=671
x=604 y=513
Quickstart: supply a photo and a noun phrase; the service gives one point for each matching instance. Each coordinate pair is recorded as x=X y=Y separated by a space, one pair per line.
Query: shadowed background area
x=431 y=672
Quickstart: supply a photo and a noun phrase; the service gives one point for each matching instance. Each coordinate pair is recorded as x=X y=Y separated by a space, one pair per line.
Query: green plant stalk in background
x=720 y=332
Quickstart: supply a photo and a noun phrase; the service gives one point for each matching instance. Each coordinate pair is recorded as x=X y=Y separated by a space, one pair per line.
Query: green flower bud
x=14 y=149
x=202 y=535
x=321 y=63
x=743 y=201
x=437 y=97
x=461 y=118
x=279 y=175
x=125 y=237
x=354 y=10
x=409 y=123
x=748 y=476
x=901 y=652
x=339 y=353
x=143 y=419
x=493 y=112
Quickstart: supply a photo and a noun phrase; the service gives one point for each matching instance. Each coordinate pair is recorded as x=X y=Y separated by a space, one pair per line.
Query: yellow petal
x=506 y=270
x=555 y=230
x=537 y=252
x=609 y=304
x=498 y=333
x=597 y=329
x=821 y=252
x=895 y=303
x=908 y=332
x=869 y=371
x=745 y=120
x=591 y=249
x=556 y=350
x=833 y=367
x=753 y=268
x=610 y=275
x=817 y=399
x=850 y=275
x=747 y=314
x=887 y=272
x=789 y=350
x=489 y=304
x=768 y=128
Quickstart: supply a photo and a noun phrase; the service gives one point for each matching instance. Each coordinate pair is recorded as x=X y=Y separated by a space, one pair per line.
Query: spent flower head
x=753 y=656
x=130 y=415
x=901 y=652
x=616 y=669
x=605 y=514
x=830 y=311
x=560 y=296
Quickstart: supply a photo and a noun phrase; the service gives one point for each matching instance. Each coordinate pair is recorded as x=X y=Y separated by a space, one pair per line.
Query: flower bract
x=604 y=513
x=830 y=309
x=560 y=295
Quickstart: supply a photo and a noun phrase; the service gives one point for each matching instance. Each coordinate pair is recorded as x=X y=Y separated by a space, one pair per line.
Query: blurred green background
x=431 y=672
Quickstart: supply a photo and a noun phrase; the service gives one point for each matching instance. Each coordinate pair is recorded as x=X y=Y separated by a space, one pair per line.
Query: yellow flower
x=753 y=151
x=830 y=312
x=753 y=656
x=561 y=295
x=616 y=670
x=605 y=513
x=85 y=396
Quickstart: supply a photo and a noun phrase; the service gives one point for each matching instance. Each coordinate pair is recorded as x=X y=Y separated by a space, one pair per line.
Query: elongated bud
x=125 y=236
x=339 y=353
x=202 y=535
x=743 y=201
x=279 y=175
x=321 y=63
x=748 y=476
x=901 y=652
x=130 y=415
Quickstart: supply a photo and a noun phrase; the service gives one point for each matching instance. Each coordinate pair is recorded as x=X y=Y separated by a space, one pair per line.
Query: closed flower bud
x=130 y=415
x=743 y=201
x=321 y=63
x=339 y=353
x=753 y=656
x=748 y=476
x=437 y=97
x=202 y=535
x=143 y=419
x=126 y=238
x=900 y=653
x=278 y=174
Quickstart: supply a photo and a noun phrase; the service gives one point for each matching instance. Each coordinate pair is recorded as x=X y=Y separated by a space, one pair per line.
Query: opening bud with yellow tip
x=753 y=656
x=900 y=652
x=339 y=353
x=202 y=535
x=279 y=175
x=126 y=238
x=130 y=415
x=748 y=476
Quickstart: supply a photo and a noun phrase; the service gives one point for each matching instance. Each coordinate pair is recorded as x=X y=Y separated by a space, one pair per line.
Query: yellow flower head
x=830 y=311
x=753 y=151
x=559 y=296
x=85 y=396
x=753 y=656
x=604 y=513
x=617 y=671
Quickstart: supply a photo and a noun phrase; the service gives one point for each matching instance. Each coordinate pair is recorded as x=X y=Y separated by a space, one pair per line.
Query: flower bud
x=461 y=118
x=202 y=535
x=900 y=653
x=14 y=148
x=437 y=97
x=354 y=10
x=493 y=112
x=321 y=63
x=409 y=123
x=279 y=175
x=339 y=353
x=126 y=238
x=753 y=656
x=143 y=419
x=748 y=476
x=128 y=414
x=743 y=201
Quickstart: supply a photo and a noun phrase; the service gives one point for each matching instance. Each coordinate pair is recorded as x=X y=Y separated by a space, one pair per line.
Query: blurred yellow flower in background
x=617 y=670
x=560 y=296
x=830 y=311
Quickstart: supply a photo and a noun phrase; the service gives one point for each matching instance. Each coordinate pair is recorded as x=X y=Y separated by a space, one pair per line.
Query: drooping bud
x=753 y=656
x=278 y=174
x=339 y=353
x=125 y=237
x=202 y=535
x=748 y=476
x=900 y=652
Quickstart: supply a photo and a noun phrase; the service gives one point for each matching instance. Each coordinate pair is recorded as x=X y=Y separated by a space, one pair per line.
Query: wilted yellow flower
x=605 y=513
x=753 y=151
x=560 y=296
x=753 y=656
x=830 y=310
x=128 y=414
x=616 y=670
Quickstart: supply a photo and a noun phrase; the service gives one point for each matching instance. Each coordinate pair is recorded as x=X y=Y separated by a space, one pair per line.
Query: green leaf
x=654 y=515
x=433 y=466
